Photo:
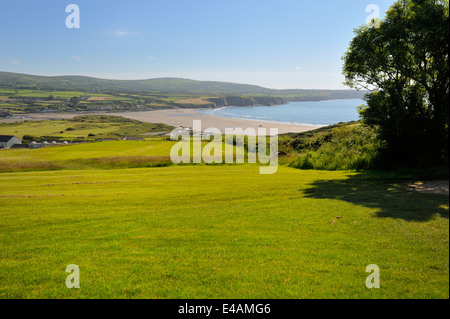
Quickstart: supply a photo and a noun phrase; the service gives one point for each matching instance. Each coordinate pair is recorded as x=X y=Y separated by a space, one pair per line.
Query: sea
x=317 y=113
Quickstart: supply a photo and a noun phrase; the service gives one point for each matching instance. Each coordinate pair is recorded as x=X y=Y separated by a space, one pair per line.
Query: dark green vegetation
x=406 y=61
x=22 y=93
x=338 y=147
x=347 y=146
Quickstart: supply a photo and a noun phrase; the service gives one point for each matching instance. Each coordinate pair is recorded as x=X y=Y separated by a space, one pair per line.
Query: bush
x=28 y=138
x=349 y=147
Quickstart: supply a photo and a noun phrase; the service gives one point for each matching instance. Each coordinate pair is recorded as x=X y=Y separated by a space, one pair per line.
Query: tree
x=26 y=139
x=404 y=62
x=74 y=101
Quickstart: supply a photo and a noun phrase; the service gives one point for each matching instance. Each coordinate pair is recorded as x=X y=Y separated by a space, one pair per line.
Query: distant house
x=181 y=131
x=34 y=145
x=7 y=141
x=133 y=138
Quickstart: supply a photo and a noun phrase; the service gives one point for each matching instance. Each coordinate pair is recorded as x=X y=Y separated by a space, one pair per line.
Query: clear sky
x=274 y=43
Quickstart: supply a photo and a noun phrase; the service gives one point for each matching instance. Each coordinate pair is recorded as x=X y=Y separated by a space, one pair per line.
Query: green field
x=88 y=127
x=221 y=231
x=20 y=101
x=116 y=154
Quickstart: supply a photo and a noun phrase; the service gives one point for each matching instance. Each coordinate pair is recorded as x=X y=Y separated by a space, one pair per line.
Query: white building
x=175 y=134
x=6 y=141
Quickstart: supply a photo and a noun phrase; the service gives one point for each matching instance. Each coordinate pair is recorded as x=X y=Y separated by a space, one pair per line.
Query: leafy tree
x=404 y=62
x=74 y=101
x=26 y=139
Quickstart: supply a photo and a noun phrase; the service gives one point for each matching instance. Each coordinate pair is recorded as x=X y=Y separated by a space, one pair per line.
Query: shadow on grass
x=390 y=196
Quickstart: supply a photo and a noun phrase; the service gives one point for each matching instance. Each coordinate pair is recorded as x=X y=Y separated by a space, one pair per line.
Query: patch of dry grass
x=192 y=101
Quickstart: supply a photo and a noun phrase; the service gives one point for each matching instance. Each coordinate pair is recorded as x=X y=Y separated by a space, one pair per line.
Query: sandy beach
x=180 y=117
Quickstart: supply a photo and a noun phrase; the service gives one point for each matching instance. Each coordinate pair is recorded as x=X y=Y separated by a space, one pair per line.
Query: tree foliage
x=404 y=62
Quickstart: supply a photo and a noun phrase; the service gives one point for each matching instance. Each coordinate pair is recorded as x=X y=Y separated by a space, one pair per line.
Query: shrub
x=349 y=147
x=28 y=138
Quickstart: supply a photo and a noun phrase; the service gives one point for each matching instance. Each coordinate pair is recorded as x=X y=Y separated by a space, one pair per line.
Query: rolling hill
x=164 y=86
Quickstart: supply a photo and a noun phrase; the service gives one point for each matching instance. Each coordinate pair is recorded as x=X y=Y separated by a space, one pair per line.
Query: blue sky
x=274 y=43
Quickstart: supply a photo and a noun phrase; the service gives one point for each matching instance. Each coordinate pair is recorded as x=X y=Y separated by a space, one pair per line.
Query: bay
x=317 y=112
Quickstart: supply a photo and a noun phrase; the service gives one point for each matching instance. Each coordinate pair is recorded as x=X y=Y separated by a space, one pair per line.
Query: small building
x=133 y=138
x=7 y=141
x=180 y=131
x=34 y=145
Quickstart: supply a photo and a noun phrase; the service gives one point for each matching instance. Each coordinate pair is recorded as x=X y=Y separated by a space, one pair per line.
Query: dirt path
x=434 y=187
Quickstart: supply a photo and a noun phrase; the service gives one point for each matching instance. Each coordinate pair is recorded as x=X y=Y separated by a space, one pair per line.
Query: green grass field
x=219 y=232
x=152 y=147
x=99 y=126
x=115 y=154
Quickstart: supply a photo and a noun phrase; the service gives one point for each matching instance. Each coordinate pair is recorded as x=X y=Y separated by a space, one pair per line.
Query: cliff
x=246 y=101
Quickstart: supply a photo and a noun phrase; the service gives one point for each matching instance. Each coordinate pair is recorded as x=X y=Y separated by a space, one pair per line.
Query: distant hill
x=164 y=86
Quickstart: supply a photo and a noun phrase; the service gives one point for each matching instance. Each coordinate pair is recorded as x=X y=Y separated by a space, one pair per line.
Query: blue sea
x=317 y=113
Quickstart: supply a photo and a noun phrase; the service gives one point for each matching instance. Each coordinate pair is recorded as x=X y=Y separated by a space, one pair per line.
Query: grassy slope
x=219 y=232
x=154 y=147
x=43 y=128
x=115 y=154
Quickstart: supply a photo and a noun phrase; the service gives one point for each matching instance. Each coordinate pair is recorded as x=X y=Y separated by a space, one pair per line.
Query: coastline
x=179 y=117
x=258 y=120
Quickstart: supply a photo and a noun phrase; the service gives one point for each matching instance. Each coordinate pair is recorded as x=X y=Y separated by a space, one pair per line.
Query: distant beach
x=179 y=117
x=294 y=117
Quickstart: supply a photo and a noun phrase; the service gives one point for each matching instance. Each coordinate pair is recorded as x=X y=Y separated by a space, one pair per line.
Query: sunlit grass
x=219 y=232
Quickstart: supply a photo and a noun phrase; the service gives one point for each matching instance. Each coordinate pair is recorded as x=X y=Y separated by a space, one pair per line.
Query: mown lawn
x=155 y=151
x=152 y=147
x=219 y=232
